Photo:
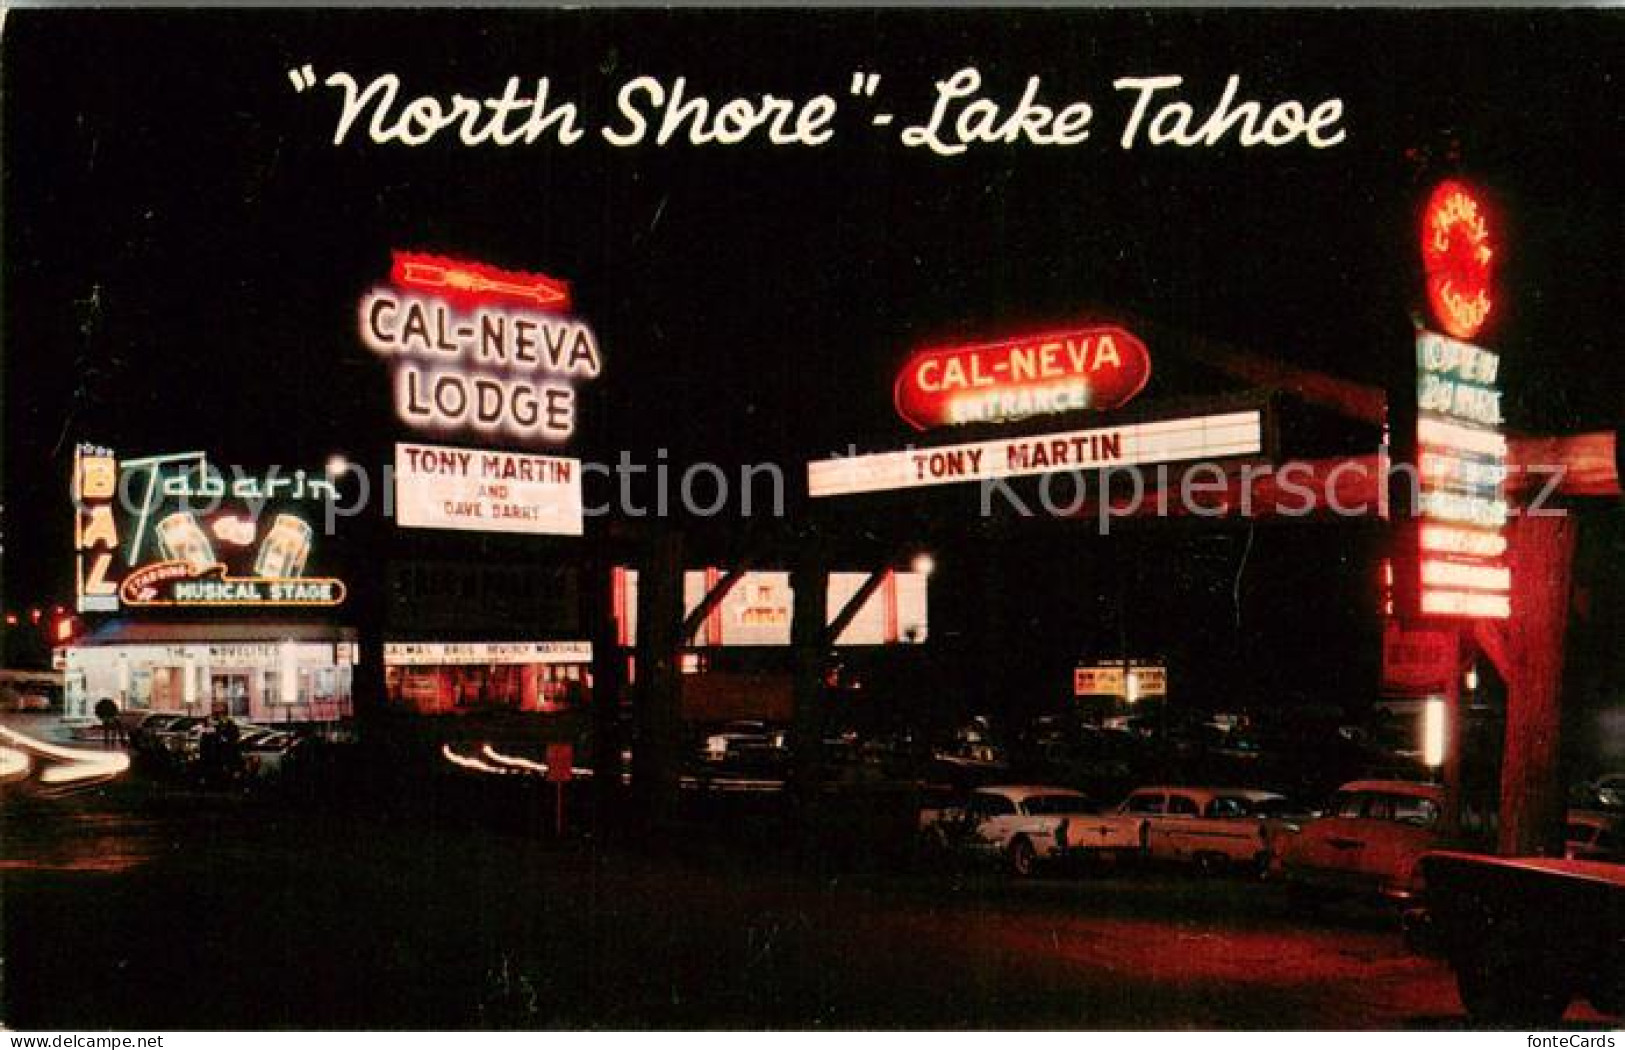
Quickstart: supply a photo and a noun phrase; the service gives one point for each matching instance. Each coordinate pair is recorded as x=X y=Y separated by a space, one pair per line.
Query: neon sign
x=468 y=284
x=1096 y=368
x=172 y=530
x=481 y=350
x=1461 y=456
x=95 y=533
x=1458 y=255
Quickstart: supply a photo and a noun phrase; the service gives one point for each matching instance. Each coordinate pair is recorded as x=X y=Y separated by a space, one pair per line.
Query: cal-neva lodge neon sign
x=480 y=349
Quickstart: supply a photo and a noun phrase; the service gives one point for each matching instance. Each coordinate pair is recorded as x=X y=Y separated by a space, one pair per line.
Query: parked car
x=1607 y=792
x=743 y=742
x=143 y=736
x=268 y=754
x=1528 y=935
x=1594 y=836
x=1026 y=825
x=1370 y=841
x=1210 y=827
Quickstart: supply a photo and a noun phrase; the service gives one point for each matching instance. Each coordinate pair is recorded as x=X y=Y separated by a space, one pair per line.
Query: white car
x=1370 y=841
x=1210 y=827
x=1028 y=824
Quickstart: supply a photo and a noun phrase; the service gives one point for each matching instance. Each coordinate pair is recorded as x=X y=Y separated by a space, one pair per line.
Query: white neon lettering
x=1171 y=120
x=423 y=118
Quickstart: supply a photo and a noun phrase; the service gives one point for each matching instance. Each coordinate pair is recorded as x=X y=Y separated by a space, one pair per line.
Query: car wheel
x=1023 y=858
x=1499 y=991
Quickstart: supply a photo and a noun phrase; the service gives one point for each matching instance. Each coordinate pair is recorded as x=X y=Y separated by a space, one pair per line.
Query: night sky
x=185 y=247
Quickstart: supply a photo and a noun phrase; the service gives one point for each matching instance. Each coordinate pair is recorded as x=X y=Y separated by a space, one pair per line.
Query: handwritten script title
x=1155 y=111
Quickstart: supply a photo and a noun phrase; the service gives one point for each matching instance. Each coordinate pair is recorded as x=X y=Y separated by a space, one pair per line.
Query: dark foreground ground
x=150 y=906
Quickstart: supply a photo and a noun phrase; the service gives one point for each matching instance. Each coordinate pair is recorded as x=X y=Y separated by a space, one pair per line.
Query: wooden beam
x=1339 y=486
x=1358 y=401
x=713 y=598
x=1541 y=552
x=855 y=604
x=1589 y=464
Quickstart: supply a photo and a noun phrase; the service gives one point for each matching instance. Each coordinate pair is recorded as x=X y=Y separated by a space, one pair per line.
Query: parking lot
x=146 y=905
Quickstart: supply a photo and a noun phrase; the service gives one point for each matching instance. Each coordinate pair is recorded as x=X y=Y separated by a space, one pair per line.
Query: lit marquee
x=1461 y=459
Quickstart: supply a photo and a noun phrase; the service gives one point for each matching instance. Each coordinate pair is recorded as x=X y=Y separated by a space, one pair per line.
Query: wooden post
x=1541 y=553
x=655 y=758
x=608 y=680
x=1454 y=737
x=809 y=579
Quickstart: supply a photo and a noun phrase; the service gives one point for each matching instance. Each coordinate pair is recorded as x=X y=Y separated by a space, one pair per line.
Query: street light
x=338 y=465
x=924 y=564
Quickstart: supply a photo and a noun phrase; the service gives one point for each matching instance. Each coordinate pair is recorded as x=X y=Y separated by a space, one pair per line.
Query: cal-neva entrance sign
x=1134 y=444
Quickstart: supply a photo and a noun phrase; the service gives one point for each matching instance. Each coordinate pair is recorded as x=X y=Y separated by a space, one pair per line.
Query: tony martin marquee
x=1134 y=444
x=475 y=490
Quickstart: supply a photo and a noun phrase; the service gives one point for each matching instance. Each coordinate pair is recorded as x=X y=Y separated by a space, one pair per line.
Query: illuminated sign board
x=1418 y=662
x=1458 y=258
x=1143 y=680
x=95 y=532
x=1094 y=368
x=758 y=609
x=477 y=490
x=172 y=530
x=1136 y=444
x=479 y=350
x=1461 y=460
x=438 y=654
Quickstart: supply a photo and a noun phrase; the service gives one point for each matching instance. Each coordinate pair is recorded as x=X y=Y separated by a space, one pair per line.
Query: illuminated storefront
x=441 y=678
x=261 y=672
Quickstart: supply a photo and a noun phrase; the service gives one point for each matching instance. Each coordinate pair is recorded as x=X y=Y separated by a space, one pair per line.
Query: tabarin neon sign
x=467 y=358
x=1458 y=256
x=1095 y=368
x=172 y=529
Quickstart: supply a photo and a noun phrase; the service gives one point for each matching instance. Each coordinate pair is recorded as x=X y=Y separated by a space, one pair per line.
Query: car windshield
x=1056 y=805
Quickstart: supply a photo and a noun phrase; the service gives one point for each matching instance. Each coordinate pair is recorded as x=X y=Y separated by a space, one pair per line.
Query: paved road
x=144 y=907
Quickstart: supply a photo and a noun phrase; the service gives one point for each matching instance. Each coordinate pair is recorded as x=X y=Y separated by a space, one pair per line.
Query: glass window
x=1274 y=807
x=1056 y=805
x=1182 y=806
x=983 y=805
x=1145 y=803
x=1410 y=809
x=1350 y=805
x=1227 y=807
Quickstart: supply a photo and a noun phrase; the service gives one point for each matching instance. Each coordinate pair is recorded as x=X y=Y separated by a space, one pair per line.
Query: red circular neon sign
x=1094 y=368
x=1458 y=256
